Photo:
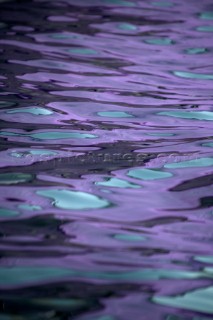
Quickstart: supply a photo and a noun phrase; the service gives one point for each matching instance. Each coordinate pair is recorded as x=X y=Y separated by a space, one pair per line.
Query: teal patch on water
x=59 y=36
x=192 y=75
x=34 y=110
x=209 y=271
x=207 y=15
x=195 y=163
x=204 y=259
x=38 y=152
x=199 y=300
x=74 y=200
x=205 y=28
x=4 y=212
x=22 y=276
x=148 y=174
x=64 y=36
x=174 y=317
x=196 y=50
x=160 y=134
x=52 y=135
x=101 y=318
x=208 y=144
x=115 y=114
x=198 y=115
x=13 y=178
x=127 y=26
x=19 y=154
x=83 y=51
x=8 y=134
x=118 y=183
x=143 y=275
x=106 y=190
x=160 y=41
x=162 y=4
x=129 y=237
x=120 y=3
x=29 y=207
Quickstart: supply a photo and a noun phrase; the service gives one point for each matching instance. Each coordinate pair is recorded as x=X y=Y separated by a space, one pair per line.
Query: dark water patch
x=198 y=182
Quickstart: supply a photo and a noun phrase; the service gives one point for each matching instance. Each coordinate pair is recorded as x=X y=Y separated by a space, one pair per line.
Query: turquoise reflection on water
x=148 y=174
x=73 y=200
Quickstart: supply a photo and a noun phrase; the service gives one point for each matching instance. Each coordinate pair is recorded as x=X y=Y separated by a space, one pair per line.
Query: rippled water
x=106 y=160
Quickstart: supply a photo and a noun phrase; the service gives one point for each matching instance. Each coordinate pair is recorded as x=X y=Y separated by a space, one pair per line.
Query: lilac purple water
x=106 y=160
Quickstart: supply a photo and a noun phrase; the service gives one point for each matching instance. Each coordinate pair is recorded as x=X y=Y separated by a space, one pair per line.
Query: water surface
x=106 y=160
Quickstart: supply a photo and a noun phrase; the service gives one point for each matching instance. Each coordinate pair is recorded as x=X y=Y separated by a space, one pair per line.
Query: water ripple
x=106 y=160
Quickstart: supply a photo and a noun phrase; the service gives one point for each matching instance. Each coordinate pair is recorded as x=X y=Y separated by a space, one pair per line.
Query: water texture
x=106 y=160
